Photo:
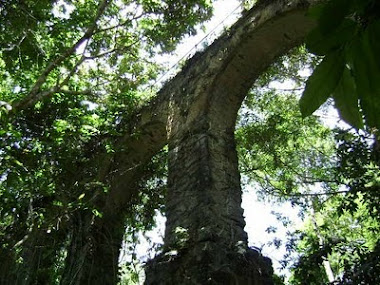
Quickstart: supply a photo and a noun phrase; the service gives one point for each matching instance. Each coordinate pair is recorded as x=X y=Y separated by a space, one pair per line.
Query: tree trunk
x=94 y=250
x=8 y=266
x=95 y=242
x=30 y=249
x=326 y=263
x=39 y=253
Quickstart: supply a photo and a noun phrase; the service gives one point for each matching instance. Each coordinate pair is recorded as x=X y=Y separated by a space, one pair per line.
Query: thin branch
x=289 y=89
x=72 y=71
x=34 y=94
x=317 y=194
x=99 y=55
x=74 y=92
x=115 y=49
x=13 y=46
x=121 y=24
x=57 y=89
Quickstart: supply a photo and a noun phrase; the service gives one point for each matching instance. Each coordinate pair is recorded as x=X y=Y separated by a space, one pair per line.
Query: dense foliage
x=331 y=175
x=72 y=73
x=343 y=229
x=347 y=35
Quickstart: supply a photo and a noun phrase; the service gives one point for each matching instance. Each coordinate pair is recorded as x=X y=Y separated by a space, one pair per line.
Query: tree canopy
x=72 y=74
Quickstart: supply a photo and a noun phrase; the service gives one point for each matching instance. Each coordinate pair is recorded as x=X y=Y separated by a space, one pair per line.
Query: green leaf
x=316 y=11
x=333 y=14
x=321 y=83
x=321 y=43
x=366 y=70
x=346 y=100
x=97 y=213
x=373 y=31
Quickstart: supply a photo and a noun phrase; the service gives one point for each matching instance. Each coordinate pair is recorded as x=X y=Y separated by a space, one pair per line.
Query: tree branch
x=35 y=94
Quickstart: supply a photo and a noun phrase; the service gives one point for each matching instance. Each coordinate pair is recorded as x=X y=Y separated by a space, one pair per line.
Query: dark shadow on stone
x=212 y=266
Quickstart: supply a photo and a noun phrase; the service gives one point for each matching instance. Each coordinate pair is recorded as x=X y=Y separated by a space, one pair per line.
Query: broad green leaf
x=367 y=77
x=374 y=34
x=316 y=11
x=321 y=83
x=320 y=43
x=360 y=7
x=333 y=14
x=346 y=100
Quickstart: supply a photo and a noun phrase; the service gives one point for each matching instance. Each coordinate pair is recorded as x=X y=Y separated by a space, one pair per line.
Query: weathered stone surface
x=214 y=265
x=205 y=241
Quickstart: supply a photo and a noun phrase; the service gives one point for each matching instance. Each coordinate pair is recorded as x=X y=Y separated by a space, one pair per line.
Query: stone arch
x=205 y=241
x=195 y=114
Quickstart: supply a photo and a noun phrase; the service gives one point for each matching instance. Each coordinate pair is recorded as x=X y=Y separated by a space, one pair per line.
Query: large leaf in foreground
x=366 y=67
x=346 y=100
x=321 y=43
x=322 y=83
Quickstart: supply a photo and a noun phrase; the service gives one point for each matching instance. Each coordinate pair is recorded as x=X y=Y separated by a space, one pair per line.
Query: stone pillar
x=205 y=241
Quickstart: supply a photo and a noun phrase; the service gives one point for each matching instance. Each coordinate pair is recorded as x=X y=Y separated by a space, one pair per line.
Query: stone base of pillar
x=208 y=263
